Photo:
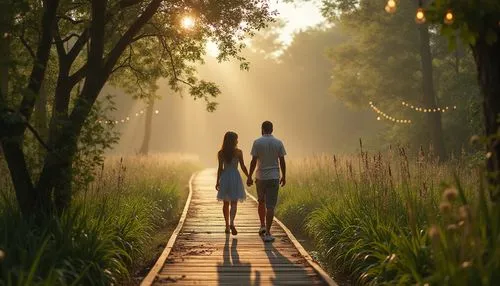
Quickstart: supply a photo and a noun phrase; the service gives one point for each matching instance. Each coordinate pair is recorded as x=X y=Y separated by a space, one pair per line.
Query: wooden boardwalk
x=200 y=253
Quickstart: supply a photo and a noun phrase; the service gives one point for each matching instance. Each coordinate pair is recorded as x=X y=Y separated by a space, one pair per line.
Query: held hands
x=283 y=181
x=249 y=181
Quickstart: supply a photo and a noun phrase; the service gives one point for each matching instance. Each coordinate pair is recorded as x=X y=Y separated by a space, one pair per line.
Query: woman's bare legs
x=234 y=208
x=225 y=211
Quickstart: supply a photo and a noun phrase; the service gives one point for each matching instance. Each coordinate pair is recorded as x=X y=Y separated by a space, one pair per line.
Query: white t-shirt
x=268 y=149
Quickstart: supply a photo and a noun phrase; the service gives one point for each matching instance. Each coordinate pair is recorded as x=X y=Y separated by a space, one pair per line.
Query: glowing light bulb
x=391 y=6
x=188 y=22
x=141 y=112
x=128 y=118
x=378 y=118
x=449 y=18
x=136 y=114
x=454 y=107
x=420 y=16
x=157 y=111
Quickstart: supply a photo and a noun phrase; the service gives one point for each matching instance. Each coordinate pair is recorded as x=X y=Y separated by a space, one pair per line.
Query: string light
x=125 y=119
x=391 y=6
x=449 y=18
x=390 y=118
x=420 y=16
x=428 y=110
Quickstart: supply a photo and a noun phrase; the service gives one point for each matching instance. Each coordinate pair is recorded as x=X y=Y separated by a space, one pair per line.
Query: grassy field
x=113 y=231
x=385 y=218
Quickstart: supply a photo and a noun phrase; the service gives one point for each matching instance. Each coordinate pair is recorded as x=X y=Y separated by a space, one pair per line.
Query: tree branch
x=78 y=45
x=126 y=39
x=172 y=63
x=61 y=51
x=77 y=76
x=69 y=19
x=42 y=57
x=27 y=46
x=37 y=136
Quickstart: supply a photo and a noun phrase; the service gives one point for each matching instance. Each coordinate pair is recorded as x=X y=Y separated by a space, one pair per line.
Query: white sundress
x=231 y=185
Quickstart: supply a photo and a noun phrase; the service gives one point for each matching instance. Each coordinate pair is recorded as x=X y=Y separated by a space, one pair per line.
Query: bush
x=100 y=237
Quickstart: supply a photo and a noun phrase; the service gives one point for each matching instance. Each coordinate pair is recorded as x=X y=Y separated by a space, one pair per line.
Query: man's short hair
x=267 y=127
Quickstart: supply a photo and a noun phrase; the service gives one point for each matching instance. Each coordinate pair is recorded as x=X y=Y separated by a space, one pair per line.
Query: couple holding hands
x=268 y=158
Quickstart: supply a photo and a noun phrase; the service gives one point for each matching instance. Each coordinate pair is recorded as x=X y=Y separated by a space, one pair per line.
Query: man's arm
x=253 y=165
x=283 y=170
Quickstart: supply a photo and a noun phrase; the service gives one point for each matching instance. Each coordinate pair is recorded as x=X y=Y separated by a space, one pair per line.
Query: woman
x=229 y=185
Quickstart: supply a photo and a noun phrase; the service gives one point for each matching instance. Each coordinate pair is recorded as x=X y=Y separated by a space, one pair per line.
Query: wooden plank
x=148 y=280
x=203 y=254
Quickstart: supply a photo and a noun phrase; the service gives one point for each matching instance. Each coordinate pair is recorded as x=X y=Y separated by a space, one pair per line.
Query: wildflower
x=450 y=194
x=445 y=207
x=2 y=255
x=474 y=139
x=452 y=227
x=433 y=232
x=466 y=264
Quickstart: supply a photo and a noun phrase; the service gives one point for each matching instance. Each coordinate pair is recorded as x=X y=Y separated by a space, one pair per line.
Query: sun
x=188 y=22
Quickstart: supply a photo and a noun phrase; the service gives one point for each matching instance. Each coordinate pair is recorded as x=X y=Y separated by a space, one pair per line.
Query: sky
x=296 y=17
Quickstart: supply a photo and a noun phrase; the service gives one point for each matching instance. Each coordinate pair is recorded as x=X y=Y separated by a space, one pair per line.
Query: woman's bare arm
x=219 y=171
x=242 y=163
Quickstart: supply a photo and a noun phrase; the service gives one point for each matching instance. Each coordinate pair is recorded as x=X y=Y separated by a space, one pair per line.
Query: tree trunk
x=5 y=26
x=148 y=129
x=429 y=96
x=487 y=57
x=41 y=120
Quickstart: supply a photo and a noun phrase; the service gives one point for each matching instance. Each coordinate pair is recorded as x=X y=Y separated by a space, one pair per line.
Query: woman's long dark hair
x=228 y=146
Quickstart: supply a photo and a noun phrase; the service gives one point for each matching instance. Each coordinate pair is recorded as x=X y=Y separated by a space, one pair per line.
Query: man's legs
x=261 y=194
x=269 y=219
x=271 y=188
x=262 y=213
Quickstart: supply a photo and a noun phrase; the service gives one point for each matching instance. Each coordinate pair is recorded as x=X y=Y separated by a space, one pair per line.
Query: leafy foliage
x=97 y=136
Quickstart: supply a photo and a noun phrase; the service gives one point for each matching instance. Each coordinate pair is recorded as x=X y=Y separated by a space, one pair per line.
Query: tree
x=477 y=23
x=386 y=60
x=100 y=41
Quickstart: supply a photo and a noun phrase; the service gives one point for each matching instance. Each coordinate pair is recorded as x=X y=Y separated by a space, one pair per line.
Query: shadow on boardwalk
x=233 y=271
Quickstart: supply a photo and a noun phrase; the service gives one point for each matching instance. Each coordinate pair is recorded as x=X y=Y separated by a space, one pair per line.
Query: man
x=268 y=154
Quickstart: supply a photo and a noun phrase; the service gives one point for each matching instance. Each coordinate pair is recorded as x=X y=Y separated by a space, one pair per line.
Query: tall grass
x=104 y=235
x=382 y=218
